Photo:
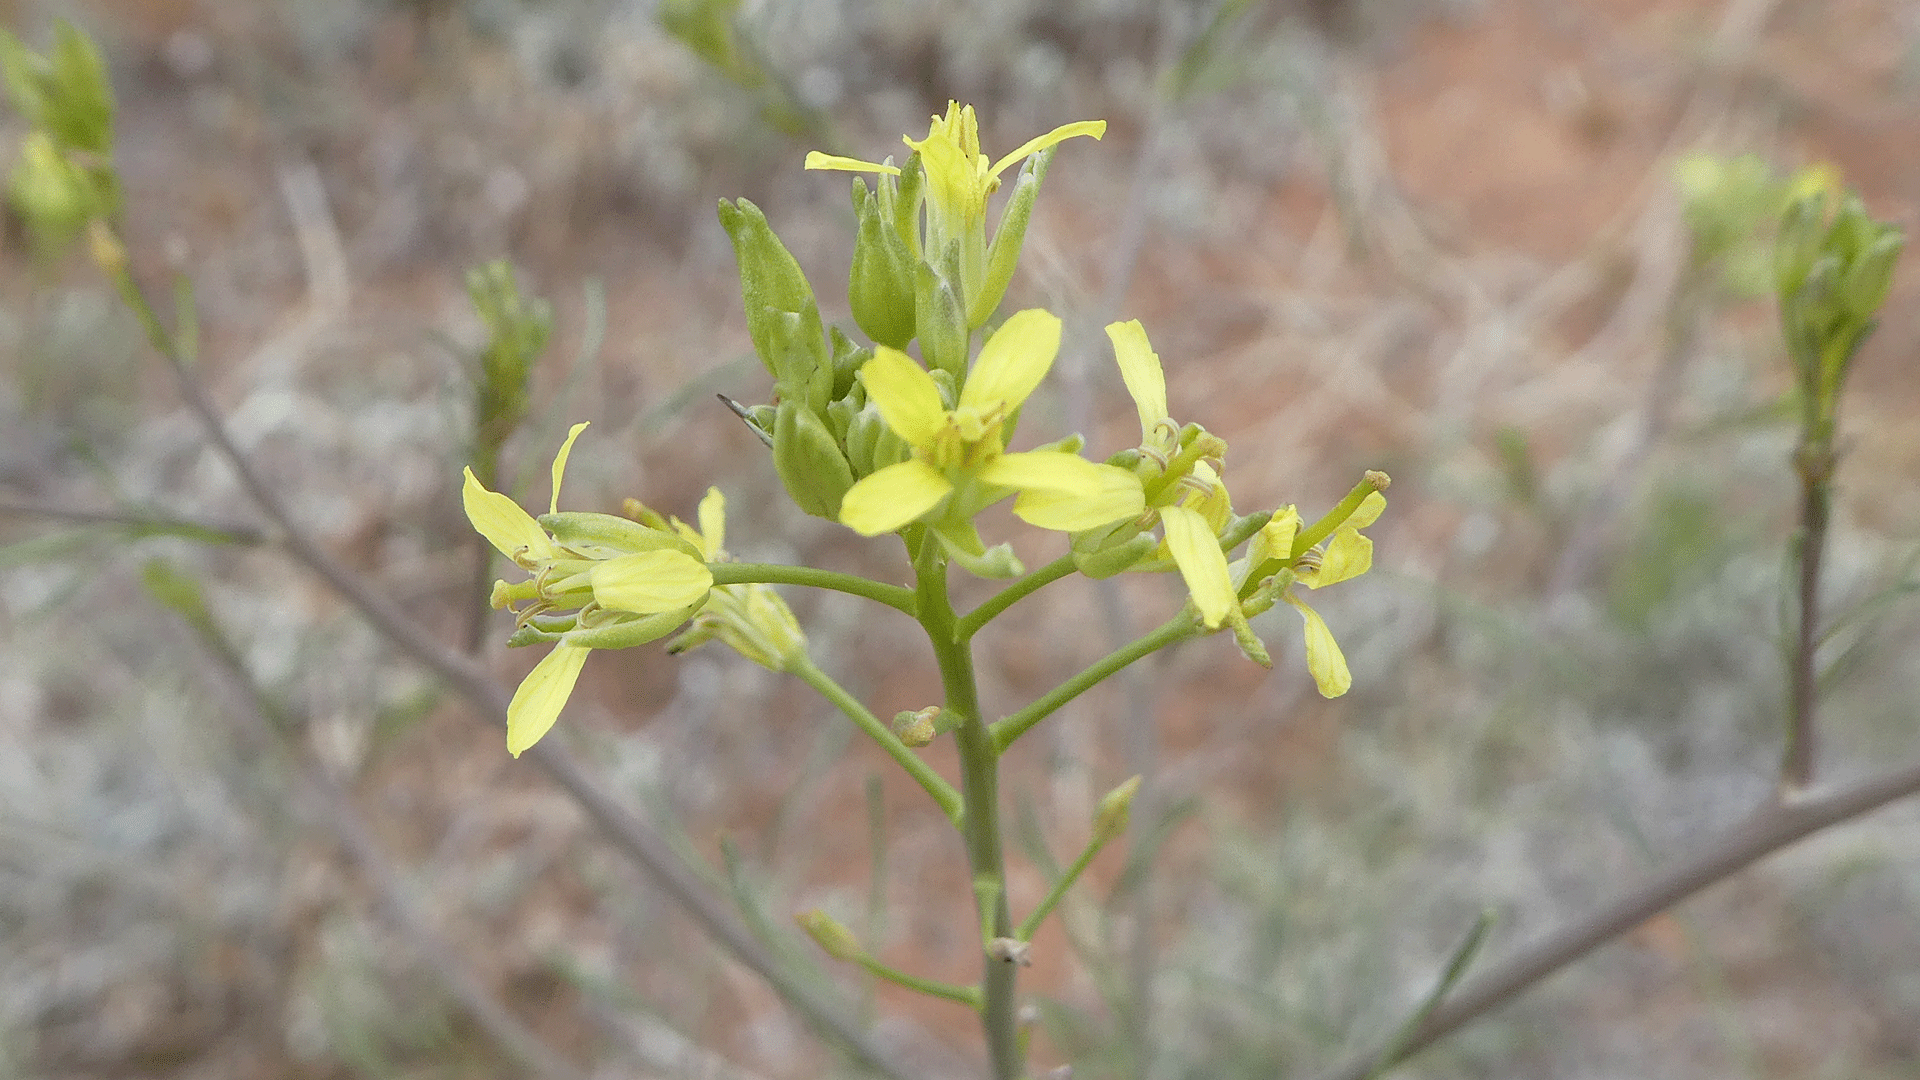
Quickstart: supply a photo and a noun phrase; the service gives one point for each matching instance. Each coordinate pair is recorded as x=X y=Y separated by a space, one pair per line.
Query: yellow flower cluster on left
x=597 y=582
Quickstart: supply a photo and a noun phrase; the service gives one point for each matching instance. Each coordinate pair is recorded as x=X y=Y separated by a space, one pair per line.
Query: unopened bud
x=917 y=728
x=809 y=460
x=836 y=940
x=1114 y=811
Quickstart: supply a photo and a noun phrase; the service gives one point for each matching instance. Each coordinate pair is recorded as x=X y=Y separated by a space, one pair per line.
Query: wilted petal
x=892 y=497
x=542 y=694
x=560 y=464
x=1065 y=492
x=1013 y=361
x=507 y=527
x=1140 y=369
x=907 y=397
x=649 y=581
x=1325 y=661
x=1196 y=551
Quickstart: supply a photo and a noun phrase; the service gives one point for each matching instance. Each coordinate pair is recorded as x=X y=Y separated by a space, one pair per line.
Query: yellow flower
x=1182 y=486
x=959 y=464
x=958 y=181
x=1343 y=555
x=750 y=618
x=626 y=585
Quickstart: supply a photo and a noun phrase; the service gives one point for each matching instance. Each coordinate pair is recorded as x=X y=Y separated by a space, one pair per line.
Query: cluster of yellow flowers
x=600 y=581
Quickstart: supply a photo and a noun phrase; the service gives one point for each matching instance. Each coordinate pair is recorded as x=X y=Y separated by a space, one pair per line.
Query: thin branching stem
x=467 y=677
x=970 y=623
x=1174 y=630
x=738 y=573
x=1775 y=825
x=980 y=828
x=936 y=785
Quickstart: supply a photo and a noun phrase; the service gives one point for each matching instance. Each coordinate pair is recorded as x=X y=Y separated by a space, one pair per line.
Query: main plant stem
x=980 y=790
x=1814 y=463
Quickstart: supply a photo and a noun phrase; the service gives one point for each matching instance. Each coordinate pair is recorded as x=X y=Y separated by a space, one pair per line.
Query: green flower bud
x=880 y=287
x=53 y=195
x=836 y=940
x=939 y=323
x=1871 y=275
x=917 y=728
x=1803 y=229
x=1003 y=254
x=65 y=93
x=809 y=460
x=848 y=359
x=772 y=285
x=1115 y=809
x=900 y=199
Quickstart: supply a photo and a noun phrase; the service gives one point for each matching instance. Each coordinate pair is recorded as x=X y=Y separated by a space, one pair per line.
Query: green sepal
x=1115 y=558
x=627 y=633
x=1003 y=254
x=880 y=285
x=809 y=460
x=848 y=358
x=997 y=562
x=585 y=531
x=939 y=323
x=772 y=285
x=900 y=199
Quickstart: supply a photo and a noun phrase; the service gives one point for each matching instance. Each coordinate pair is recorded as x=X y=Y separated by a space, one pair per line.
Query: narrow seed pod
x=1115 y=559
x=578 y=528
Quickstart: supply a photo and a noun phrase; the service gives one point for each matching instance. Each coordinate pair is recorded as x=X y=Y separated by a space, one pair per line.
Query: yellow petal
x=1196 y=551
x=1348 y=555
x=1368 y=511
x=1325 y=661
x=1013 y=361
x=649 y=581
x=892 y=497
x=818 y=160
x=1275 y=538
x=507 y=527
x=1065 y=492
x=542 y=694
x=907 y=397
x=1140 y=369
x=713 y=524
x=560 y=464
x=1091 y=128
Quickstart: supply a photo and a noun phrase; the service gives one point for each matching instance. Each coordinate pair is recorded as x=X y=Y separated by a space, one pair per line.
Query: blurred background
x=1435 y=237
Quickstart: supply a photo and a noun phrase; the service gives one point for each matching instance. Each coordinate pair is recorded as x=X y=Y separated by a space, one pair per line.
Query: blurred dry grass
x=1434 y=240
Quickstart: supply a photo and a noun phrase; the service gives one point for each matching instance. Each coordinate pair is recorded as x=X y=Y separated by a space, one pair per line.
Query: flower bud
x=1114 y=811
x=809 y=460
x=917 y=729
x=772 y=285
x=939 y=323
x=836 y=940
x=1003 y=254
x=880 y=287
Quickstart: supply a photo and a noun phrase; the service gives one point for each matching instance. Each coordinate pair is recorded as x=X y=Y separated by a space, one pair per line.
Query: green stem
x=1031 y=923
x=972 y=621
x=1320 y=530
x=1176 y=629
x=737 y=573
x=965 y=995
x=943 y=793
x=980 y=785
